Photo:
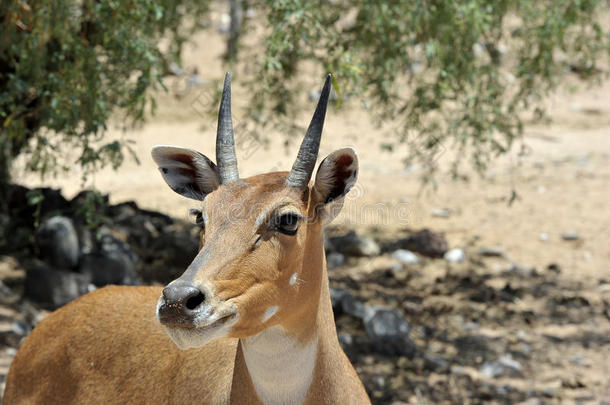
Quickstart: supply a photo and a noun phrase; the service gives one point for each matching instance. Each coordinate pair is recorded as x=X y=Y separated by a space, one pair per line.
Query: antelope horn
x=303 y=166
x=225 y=143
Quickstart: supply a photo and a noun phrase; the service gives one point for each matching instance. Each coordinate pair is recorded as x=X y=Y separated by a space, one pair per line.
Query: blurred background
x=479 y=229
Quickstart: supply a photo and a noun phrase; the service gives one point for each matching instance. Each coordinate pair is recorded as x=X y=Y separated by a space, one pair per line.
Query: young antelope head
x=261 y=256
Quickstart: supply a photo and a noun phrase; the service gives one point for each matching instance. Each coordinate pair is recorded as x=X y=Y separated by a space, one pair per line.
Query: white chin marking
x=269 y=312
x=192 y=338
x=293 y=279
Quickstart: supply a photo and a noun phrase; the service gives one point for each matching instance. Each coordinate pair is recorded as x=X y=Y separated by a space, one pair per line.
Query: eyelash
x=285 y=223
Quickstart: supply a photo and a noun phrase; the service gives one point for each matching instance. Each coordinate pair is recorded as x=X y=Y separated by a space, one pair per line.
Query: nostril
x=195 y=301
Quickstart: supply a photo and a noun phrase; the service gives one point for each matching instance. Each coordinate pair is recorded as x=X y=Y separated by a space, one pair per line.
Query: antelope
x=249 y=322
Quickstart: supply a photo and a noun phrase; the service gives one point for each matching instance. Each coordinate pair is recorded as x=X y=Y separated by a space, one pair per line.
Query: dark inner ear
x=195 y=184
x=341 y=174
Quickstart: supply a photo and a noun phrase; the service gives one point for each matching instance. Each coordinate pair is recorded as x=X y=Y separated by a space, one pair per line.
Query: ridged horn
x=305 y=162
x=225 y=143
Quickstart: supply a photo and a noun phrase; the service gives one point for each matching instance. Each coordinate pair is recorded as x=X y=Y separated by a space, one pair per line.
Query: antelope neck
x=280 y=366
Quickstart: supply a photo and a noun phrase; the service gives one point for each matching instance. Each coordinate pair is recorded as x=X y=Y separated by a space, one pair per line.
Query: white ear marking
x=293 y=279
x=186 y=171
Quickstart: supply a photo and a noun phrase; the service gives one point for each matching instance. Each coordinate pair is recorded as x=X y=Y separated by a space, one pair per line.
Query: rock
x=389 y=332
x=195 y=80
x=399 y=272
x=54 y=288
x=58 y=242
x=7 y=296
x=604 y=288
x=336 y=297
x=351 y=244
x=345 y=339
x=86 y=241
x=344 y=303
x=554 y=267
x=405 y=256
x=432 y=363
x=472 y=347
x=544 y=237
x=570 y=236
x=328 y=245
x=491 y=251
x=119 y=252
x=441 y=212
x=175 y=250
x=551 y=388
x=108 y=269
x=224 y=25
x=505 y=366
x=426 y=243
x=335 y=259
x=455 y=255
x=174 y=69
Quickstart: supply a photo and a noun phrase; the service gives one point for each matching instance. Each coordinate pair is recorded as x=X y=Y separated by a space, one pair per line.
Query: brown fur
x=107 y=347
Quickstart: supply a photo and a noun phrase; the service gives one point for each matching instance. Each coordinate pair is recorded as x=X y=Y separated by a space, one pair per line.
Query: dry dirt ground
x=563 y=183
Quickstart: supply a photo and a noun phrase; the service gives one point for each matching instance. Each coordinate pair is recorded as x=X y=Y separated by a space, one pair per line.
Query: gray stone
x=455 y=255
x=335 y=259
x=344 y=303
x=426 y=243
x=346 y=339
x=505 y=366
x=7 y=295
x=441 y=212
x=434 y=363
x=86 y=241
x=570 y=236
x=399 y=272
x=491 y=251
x=54 y=288
x=105 y=269
x=176 y=249
x=58 y=242
x=405 y=256
x=551 y=388
x=328 y=245
x=351 y=244
x=389 y=331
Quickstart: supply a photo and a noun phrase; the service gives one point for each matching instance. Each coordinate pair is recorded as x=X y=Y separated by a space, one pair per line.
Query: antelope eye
x=287 y=224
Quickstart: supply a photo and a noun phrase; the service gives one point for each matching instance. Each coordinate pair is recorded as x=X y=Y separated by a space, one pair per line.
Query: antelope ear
x=186 y=171
x=335 y=177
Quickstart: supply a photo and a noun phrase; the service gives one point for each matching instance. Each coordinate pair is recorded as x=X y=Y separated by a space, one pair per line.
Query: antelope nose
x=180 y=303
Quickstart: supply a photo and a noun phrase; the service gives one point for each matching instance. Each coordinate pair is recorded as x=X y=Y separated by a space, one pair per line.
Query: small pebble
x=441 y=212
x=491 y=251
x=455 y=255
x=570 y=235
x=405 y=256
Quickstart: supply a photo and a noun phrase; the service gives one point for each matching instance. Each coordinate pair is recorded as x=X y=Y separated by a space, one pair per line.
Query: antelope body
x=253 y=308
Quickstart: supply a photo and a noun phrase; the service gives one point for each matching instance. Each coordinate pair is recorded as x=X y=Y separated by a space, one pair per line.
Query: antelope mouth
x=220 y=321
x=201 y=331
x=196 y=323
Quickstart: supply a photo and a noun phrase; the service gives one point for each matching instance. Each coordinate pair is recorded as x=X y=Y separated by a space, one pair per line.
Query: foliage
x=66 y=66
x=451 y=74
x=439 y=74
